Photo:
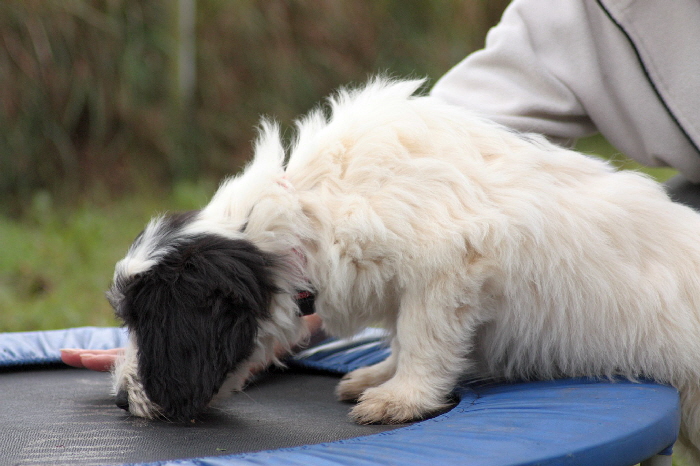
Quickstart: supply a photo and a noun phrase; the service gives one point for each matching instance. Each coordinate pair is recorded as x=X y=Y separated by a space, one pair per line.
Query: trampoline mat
x=67 y=416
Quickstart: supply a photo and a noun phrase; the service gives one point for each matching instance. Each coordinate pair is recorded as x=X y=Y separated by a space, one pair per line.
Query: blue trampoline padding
x=25 y=348
x=564 y=422
x=343 y=356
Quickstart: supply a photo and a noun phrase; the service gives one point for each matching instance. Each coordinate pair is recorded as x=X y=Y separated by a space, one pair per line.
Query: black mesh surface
x=67 y=416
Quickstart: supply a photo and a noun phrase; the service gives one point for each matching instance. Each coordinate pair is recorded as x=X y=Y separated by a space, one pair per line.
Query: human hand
x=96 y=360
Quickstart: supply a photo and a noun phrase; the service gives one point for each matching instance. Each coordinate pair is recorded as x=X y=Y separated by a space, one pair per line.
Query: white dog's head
x=202 y=302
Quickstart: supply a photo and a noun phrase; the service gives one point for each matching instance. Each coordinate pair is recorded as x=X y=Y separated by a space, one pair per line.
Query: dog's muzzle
x=305 y=300
x=122 y=400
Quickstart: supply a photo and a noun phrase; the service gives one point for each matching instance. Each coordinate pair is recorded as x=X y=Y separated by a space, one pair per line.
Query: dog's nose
x=123 y=399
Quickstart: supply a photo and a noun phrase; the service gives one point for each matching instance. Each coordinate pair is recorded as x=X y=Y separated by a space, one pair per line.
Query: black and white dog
x=482 y=251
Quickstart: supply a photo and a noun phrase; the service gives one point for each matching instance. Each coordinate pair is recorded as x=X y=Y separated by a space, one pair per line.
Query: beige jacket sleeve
x=629 y=69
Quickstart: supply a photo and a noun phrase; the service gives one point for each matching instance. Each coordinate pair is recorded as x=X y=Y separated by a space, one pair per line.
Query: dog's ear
x=195 y=316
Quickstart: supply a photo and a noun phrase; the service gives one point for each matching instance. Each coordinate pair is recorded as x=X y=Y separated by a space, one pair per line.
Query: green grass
x=597 y=145
x=56 y=264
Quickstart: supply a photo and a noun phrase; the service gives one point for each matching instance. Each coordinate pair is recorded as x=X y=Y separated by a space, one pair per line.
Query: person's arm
x=568 y=69
x=519 y=78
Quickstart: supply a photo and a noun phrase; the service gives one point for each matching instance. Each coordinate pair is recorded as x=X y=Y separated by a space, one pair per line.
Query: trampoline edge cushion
x=43 y=347
x=573 y=422
x=342 y=356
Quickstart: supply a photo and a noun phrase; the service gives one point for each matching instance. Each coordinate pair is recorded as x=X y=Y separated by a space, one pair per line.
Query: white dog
x=484 y=252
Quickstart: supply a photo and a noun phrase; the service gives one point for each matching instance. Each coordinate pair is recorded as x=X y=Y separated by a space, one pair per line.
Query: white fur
x=484 y=252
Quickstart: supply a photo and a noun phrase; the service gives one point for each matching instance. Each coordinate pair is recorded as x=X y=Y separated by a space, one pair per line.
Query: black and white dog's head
x=193 y=305
x=203 y=303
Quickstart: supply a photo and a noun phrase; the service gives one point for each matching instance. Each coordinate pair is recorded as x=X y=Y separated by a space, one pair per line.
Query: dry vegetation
x=89 y=92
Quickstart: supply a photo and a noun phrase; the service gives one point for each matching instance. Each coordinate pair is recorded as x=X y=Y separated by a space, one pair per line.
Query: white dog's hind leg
x=689 y=437
x=432 y=346
x=356 y=382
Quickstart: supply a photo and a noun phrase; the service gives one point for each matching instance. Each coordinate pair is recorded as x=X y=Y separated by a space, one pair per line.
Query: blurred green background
x=113 y=110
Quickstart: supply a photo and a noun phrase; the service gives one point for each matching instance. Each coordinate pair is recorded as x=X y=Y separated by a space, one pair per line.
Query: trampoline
x=53 y=414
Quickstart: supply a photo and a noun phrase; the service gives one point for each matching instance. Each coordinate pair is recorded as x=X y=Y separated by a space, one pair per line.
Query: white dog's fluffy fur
x=485 y=252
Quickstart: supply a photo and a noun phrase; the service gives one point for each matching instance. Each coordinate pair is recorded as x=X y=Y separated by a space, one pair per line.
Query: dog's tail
x=688 y=445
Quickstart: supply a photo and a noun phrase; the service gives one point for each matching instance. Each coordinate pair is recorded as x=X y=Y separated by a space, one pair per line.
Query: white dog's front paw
x=356 y=382
x=388 y=404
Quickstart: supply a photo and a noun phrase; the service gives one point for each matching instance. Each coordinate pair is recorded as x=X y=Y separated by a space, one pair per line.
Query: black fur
x=195 y=316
